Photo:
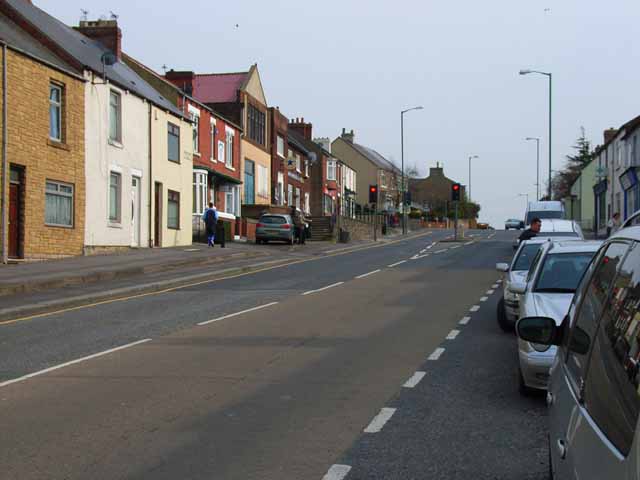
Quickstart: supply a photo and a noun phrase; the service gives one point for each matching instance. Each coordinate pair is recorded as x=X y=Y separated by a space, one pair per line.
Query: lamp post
x=469 y=192
x=548 y=75
x=402 y=189
x=537 y=139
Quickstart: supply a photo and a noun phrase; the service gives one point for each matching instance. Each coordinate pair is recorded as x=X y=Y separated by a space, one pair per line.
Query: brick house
x=44 y=189
x=434 y=191
x=372 y=168
x=215 y=142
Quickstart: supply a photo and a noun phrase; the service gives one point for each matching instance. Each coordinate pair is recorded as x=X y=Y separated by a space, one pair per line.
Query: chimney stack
x=299 y=126
x=106 y=32
x=182 y=79
x=609 y=134
x=348 y=137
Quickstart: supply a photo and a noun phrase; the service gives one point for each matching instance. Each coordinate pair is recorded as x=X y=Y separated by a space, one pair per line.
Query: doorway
x=157 y=217
x=135 y=212
x=15 y=213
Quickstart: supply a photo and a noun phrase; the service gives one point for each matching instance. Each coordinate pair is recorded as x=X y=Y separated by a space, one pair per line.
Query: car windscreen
x=526 y=256
x=542 y=214
x=561 y=272
x=273 y=220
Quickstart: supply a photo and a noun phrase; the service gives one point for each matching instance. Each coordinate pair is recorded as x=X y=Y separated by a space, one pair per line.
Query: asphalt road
x=307 y=385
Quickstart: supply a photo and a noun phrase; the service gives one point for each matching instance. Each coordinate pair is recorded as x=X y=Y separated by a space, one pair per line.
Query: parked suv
x=593 y=396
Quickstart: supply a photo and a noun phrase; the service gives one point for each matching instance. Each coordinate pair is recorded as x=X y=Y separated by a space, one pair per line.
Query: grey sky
x=350 y=64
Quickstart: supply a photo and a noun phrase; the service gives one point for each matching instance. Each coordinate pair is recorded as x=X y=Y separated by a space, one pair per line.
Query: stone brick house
x=44 y=183
x=434 y=191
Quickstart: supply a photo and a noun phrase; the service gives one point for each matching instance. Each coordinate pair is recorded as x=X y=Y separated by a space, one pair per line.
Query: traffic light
x=373 y=193
x=455 y=192
x=407 y=198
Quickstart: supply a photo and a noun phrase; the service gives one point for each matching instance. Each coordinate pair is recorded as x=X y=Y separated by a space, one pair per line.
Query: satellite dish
x=108 y=58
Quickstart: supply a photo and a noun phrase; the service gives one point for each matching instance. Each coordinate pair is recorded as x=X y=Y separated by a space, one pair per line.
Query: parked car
x=558 y=230
x=547 y=292
x=482 y=226
x=275 y=227
x=544 y=210
x=594 y=389
x=507 y=311
x=513 y=223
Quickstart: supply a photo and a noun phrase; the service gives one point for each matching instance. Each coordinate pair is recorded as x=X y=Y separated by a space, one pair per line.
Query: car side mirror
x=518 y=287
x=502 y=267
x=580 y=341
x=542 y=330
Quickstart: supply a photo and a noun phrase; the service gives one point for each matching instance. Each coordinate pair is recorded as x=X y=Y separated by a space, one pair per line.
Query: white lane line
x=469 y=243
x=490 y=292
x=397 y=263
x=499 y=281
x=417 y=256
x=453 y=334
x=453 y=248
x=440 y=251
x=237 y=313
x=379 y=420
x=73 y=362
x=431 y=246
x=414 y=380
x=465 y=320
x=436 y=354
x=475 y=308
x=484 y=299
x=367 y=274
x=494 y=286
x=323 y=288
x=337 y=472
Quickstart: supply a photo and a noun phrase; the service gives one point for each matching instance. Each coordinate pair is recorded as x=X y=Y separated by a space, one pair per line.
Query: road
x=294 y=372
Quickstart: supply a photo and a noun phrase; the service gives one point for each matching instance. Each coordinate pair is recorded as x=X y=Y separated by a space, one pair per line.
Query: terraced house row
x=101 y=153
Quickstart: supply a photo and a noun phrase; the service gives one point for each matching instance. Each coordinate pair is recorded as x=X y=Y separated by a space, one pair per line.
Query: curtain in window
x=58 y=209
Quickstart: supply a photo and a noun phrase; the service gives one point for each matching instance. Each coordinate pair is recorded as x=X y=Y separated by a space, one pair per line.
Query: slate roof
x=374 y=157
x=13 y=35
x=89 y=53
x=219 y=87
x=298 y=141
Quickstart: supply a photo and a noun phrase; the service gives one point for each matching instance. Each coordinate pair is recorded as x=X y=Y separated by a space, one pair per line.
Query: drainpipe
x=5 y=162
x=151 y=192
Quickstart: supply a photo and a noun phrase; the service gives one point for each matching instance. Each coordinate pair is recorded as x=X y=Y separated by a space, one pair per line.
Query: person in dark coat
x=532 y=231
x=210 y=218
x=220 y=232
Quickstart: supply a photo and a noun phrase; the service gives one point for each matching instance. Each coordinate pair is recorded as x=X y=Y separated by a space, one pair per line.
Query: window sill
x=174 y=161
x=213 y=160
x=115 y=143
x=112 y=224
x=58 y=144
x=55 y=225
x=230 y=168
x=197 y=154
x=173 y=228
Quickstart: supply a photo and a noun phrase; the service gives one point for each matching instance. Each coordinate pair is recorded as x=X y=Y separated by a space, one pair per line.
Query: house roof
x=14 y=36
x=297 y=141
x=308 y=144
x=88 y=53
x=630 y=127
x=374 y=157
x=219 y=87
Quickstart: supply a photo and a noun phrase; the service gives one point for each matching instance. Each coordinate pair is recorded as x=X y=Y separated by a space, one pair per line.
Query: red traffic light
x=373 y=189
x=456 y=186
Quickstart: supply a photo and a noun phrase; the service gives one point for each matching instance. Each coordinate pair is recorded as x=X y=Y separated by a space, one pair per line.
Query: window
x=174 y=142
x=383 y=180
x=230 y=200
x=115 y=116
x=306 y=168
x=115 y=194
x=199 y=192
x=249 y=182
x=561 y=272
x=263 y=181
x=55 y=112
x=220 y=150
x=229 y=157
x=212 y=135
x=298 y=163
x=290 y=195
x=280 y=189
x=173 y=210
x=196 y=132
x=331 y=170
x=307 y=207
x=527 y=254
x=613 y=380
x=58 y=208
x=534 y=265
x=256 y=124
x=298 y=197
x=280 y=146
x=586 y=320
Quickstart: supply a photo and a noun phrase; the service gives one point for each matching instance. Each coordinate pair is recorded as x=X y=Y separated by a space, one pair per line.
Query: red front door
x=14 y=220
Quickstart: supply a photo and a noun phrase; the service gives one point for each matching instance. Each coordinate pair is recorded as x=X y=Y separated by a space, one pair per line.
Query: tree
x=562 y=180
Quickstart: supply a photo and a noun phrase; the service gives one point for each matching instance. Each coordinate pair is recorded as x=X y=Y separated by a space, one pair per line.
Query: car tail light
x=285 y=226
x=260 y=225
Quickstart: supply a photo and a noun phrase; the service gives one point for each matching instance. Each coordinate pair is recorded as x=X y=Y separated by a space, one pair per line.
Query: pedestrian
x=613 y=224
x=304 y=228
x=220 y=233
x=532 y=231
x=210 y=218
x=297 y=224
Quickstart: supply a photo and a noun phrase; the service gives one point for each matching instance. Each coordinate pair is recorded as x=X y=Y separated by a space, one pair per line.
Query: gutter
x=5 y=160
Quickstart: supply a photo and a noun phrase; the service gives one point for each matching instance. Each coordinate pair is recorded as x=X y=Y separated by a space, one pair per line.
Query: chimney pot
x=105 y=32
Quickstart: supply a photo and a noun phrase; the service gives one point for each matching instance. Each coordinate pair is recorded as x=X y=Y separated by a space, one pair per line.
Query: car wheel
x=522 y=387
x=501 y=315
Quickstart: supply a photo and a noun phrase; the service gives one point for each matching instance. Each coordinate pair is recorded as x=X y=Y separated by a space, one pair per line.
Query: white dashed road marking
x=490 y=292
x=367 y=274
x=484 y=299
x=417 y=256
x=495 y=285
x=379 y=420
x=414 y=380
x=465 y=320
x=475 y=308
x=499 y=281
x=453 y=334
x=337 y=472
x=238 y=313
x=323 y=288
x=468 y=243
x=397 y=263
x=436 y=354
x=441 y=251
x=73 y=362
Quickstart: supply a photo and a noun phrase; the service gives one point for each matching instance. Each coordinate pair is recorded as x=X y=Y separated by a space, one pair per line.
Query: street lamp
x=548 y=74
x=402 y=189
x=469 y=189
x=537 y=140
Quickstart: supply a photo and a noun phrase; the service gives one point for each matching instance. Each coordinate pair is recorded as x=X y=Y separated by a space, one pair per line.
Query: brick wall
x=40 y=159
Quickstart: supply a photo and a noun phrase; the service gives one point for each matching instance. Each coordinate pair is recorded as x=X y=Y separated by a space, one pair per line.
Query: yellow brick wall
x=29 y=147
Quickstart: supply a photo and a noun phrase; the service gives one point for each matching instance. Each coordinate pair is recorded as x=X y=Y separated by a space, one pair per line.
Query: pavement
x=346 y=366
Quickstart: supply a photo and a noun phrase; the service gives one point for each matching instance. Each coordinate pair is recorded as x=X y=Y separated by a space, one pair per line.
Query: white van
x=542 y=210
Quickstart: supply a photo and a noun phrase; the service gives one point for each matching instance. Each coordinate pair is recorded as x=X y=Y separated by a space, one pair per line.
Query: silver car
x=548 y=291
x=507 y=311
x=558 y=230
x=275 y=227
x=594 y=389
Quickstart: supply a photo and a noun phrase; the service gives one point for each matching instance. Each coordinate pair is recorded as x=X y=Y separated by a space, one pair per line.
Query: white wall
x=130 y=158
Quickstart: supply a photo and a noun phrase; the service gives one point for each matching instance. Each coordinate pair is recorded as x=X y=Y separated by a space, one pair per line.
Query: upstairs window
x=331 y=170
x=280 y=146
x=196 y=133
x=115 y=116
x=173 y=136
x=298 y=163
x=229 y=157
x=55 y=112
x=256 y=124
x=212 y=135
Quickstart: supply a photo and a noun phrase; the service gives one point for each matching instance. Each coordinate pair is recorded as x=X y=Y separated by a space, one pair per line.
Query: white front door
x=135 y=212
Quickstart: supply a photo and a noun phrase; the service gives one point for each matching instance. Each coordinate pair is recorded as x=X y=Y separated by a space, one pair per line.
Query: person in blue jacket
x=210 y=218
